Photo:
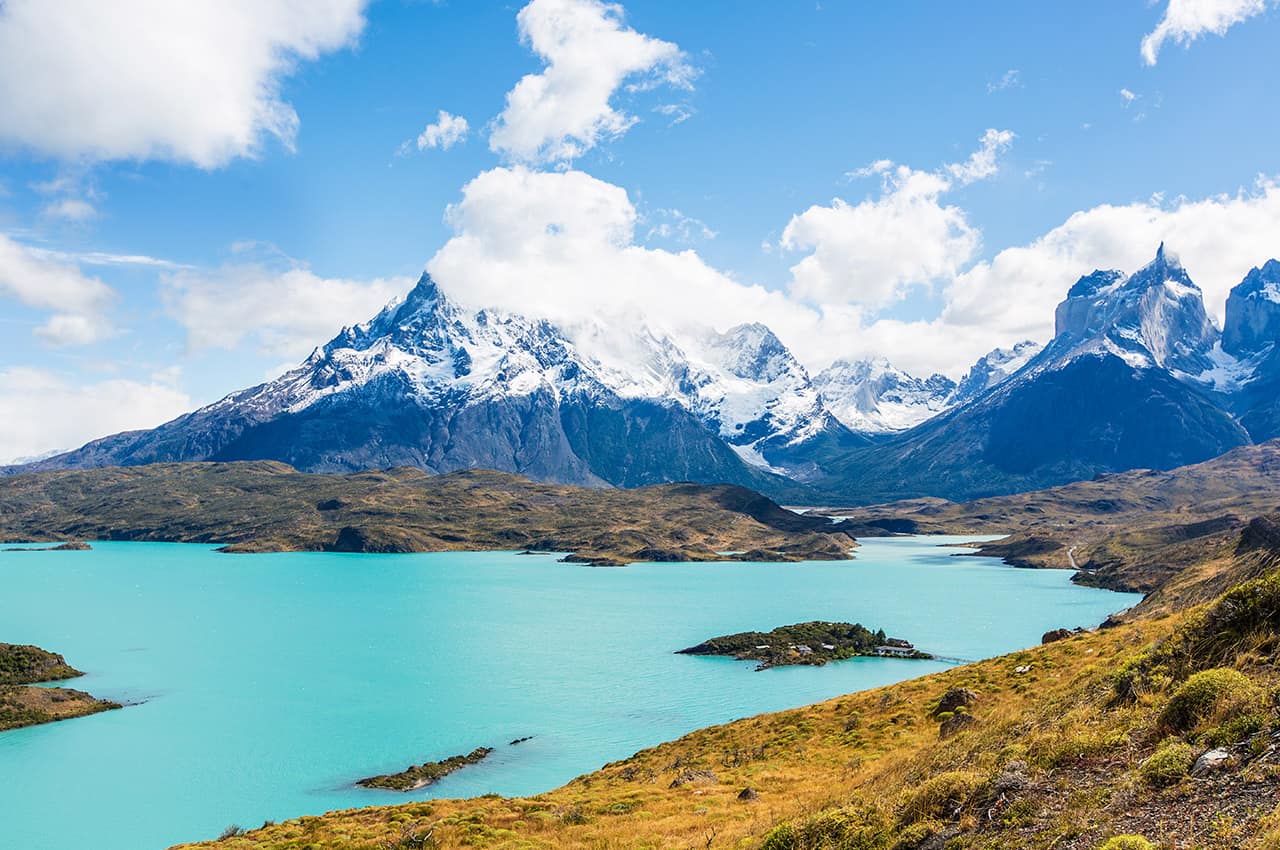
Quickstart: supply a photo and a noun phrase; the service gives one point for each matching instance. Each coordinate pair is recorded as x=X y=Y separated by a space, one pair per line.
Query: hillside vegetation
x=266 y=506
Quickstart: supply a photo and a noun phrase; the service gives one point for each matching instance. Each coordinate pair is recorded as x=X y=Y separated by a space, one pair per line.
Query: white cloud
x=41 y=411
x=873 y=252
x=69 y=209
x=678 y=113
x=198 y=81
x=561 y=245
x=566 y=109
x=983 y=162
x=1186 y=20
x=285 y=312
x=448 y=131
x=44 y=281
x=676 y=226
x=1010 y=79
x=1128 y=97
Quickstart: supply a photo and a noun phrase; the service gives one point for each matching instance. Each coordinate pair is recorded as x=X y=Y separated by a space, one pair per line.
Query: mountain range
x=1136 y=375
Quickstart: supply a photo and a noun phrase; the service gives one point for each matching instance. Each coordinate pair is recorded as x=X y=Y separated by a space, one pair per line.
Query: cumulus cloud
x=589 y=53
x=447 y=131
x=283 y=310
x=198 y=81
x=562 y=245
x=1012 y=296
x=1186 y=20
x=41 y=411
x=44 y=281
x=873 y=252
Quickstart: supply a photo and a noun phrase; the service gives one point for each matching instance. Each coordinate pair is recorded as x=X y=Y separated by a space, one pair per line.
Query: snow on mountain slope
x=993 y=368
x=1152 y=318
x=872 y=396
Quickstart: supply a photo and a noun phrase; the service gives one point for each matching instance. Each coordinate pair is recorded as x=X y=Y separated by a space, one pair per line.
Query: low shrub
x=1168 y=764
x=1126 y=842
x=1210 y=697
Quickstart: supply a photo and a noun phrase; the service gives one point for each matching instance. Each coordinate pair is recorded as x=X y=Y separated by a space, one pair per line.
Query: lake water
x=269 y=683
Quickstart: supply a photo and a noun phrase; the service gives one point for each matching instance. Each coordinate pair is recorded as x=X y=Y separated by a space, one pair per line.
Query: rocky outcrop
x=1253 y=312
x=422 y=775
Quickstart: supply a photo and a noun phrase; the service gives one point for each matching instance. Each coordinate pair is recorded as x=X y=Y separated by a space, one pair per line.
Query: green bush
x=846 y=828
x=1215 y=696
x=1126 y=842
x=1168 y=764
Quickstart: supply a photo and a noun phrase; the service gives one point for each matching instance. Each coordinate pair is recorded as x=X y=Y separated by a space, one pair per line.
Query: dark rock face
x=954 y=699
x=1253 y=312
x=1055 y=635
x=1099 y=414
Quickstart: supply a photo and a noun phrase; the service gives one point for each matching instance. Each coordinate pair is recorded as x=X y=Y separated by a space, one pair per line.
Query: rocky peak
x=752 y=351
x=1253 y=312
x=1154 y=317
x=994 y=367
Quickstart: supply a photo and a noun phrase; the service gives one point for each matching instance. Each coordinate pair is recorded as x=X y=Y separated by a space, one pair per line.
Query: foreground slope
x=267 y=506
x=1163 y=728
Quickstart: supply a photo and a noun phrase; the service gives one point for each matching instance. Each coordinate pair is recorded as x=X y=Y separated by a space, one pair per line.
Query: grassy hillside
x=265 y=506
x=1085 y=743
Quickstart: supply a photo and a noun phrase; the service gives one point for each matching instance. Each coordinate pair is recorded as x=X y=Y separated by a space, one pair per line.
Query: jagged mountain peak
x=1153 y=317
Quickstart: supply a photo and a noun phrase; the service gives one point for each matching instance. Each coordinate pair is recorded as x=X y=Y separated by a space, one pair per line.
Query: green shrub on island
x=815 y=642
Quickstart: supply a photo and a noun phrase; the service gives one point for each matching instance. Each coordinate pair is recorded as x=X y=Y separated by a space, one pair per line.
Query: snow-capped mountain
x=1137 y=375
x=1120 y=386
x=871 y=396
x=993 y=368
x=428 y=384
x=1154 y=317
x=1252 y=356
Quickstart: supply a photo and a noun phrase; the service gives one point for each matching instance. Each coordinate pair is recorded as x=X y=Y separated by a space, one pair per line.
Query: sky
x=194 y=195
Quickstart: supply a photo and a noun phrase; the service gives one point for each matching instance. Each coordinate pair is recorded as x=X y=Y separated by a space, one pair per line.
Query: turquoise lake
x=269 y=683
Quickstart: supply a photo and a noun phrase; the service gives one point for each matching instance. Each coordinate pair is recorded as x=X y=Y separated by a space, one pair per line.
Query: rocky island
x=24 y=705
x=422 y=775
x=813 y=643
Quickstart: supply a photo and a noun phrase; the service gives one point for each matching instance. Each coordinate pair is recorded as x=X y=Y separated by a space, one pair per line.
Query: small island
x=422 y=775
x=813 y=643
x=24 y=705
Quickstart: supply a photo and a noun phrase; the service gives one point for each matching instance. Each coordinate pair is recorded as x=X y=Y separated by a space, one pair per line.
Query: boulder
x=689 y=776
x=748 y=794
x=954 y=699
x=1056 y=635
x=1211 y=762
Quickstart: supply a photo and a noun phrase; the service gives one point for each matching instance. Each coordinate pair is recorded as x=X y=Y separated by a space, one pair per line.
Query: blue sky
x=264 y=208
